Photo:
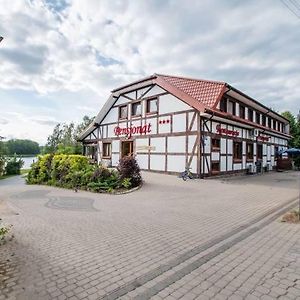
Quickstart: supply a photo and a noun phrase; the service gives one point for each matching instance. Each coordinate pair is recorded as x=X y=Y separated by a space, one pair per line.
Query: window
x=257 y=117
x=274 y=124
x=250 y=114
x=249 y=151
x=106 y=150
x=223 y=105
x=259 y=151
x=237 y=150
x=123 y=112
x=151 y=106
x=231 y=108
x=215 y=166
x=242 y=111
x=263 y=120
x=136 y=109
x=269 y=122
x=215 y=143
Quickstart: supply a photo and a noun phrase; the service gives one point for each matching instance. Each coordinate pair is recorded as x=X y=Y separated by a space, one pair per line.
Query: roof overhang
x=217 y=115
x=233 y=92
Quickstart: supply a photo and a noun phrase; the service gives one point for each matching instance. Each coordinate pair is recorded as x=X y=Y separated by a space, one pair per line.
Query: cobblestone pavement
x=201 y=239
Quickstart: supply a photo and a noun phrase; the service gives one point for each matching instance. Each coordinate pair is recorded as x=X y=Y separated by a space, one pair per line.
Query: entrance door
x=127 y=148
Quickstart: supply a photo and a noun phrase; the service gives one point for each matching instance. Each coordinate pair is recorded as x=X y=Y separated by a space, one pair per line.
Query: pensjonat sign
x=129 y=131
x=225 y=131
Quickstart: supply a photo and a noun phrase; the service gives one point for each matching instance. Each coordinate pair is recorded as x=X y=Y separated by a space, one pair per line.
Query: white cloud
x=3 y=121
x=91 y=47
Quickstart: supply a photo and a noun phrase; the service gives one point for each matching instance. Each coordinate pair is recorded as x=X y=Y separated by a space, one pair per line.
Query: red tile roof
x=206 y=92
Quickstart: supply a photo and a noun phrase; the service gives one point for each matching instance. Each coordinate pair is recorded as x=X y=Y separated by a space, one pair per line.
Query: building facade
x=170 y=123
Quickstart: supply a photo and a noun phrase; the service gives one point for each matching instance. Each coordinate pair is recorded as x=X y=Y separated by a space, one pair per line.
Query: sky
x=60 y=59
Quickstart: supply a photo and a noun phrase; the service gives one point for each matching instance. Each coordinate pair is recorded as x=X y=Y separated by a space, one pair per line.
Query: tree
x=3 y=148
x=22 y=147
x=3 y=151
x=63 y=139
x=294 y=129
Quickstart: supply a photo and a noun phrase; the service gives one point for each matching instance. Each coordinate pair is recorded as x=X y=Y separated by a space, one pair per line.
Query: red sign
x=221 y=130
x=263 y=138
x=129 y=131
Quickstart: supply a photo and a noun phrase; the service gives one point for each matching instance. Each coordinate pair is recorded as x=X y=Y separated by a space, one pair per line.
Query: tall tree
x=18 y=146
x=64 y=137
x=294 y=129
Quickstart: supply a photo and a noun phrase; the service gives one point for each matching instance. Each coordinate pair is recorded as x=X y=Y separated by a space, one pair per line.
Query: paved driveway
x=169 y=240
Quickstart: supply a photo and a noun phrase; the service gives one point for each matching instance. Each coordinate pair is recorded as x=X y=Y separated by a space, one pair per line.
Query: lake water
x=28 y=161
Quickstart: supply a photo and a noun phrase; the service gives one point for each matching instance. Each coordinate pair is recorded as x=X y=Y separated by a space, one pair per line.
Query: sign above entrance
x=226 y=131
x=263 y=138
x=129 y=131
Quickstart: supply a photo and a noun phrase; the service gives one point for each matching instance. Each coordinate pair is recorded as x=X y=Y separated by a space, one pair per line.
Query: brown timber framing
x=242 y=139
x=195 y=118
x=196 y=140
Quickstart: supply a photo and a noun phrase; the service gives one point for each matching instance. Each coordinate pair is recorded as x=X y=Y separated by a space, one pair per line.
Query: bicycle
x=186 y=174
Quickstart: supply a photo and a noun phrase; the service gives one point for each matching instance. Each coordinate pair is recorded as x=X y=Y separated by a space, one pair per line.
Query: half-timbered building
x=170 y=123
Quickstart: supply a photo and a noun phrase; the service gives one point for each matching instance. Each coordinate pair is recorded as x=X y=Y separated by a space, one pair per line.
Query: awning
x=294 y=151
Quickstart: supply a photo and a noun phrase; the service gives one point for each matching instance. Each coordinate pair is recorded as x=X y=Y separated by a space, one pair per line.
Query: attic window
x=242 y=111
x=250 y=115
x=151 y=106
x=223 y=105
x=136 y=109
x=123 y=112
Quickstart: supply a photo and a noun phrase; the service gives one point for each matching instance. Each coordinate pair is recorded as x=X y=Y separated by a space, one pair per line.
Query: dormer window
x=242 y=111
x=123 y=112
x=257 y=117
x=151 y=106
x=250 y=115
x=263 y=119
x=223 y=105
x=269 y=122
x=136 y=109
x=231 y=107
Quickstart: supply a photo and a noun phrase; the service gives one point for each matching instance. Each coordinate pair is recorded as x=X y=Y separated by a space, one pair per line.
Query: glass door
x=127 y=148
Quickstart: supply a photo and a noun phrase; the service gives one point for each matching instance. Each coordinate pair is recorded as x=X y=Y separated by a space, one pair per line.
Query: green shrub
x=126 y=183
x=100 y=174
x=75 y=171
x=2 y=165
x=66 y=170
x=13 y=166
x=129 y=168
x=40 y=171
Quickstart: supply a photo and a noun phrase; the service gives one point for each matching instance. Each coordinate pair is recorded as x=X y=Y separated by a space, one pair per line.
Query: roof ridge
x=190 y=78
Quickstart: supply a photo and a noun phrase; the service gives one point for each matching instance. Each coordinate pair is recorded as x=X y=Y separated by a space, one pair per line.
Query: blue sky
x=60 y=59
